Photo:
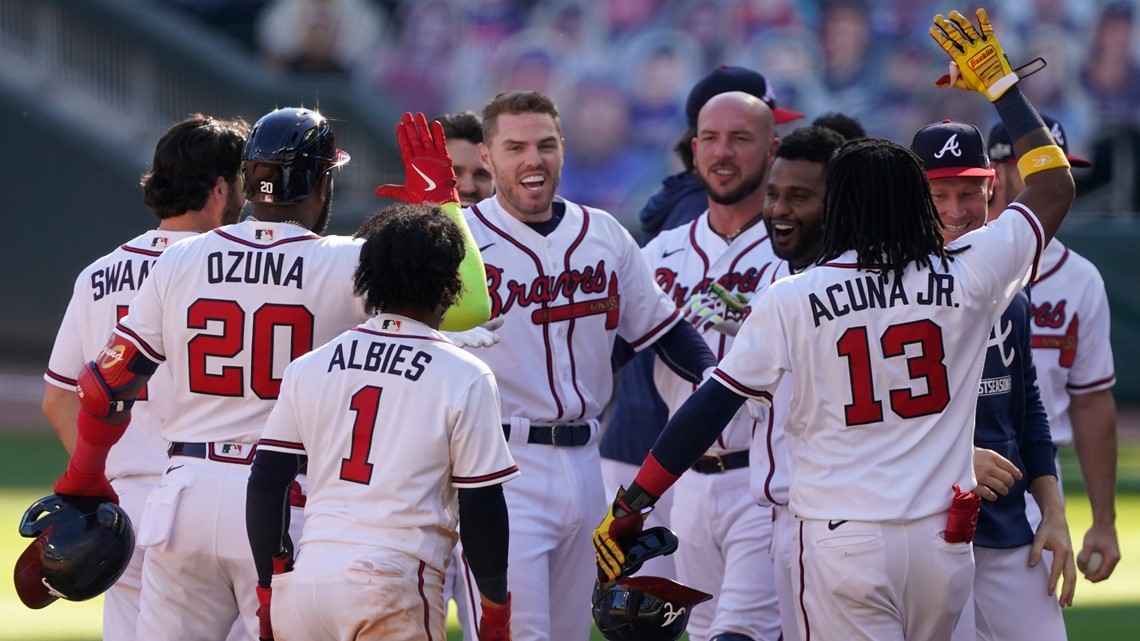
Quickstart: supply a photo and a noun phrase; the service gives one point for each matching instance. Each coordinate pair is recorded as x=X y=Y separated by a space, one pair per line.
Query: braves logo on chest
x=1049 y=316
x=745 y=282
x=545 y=290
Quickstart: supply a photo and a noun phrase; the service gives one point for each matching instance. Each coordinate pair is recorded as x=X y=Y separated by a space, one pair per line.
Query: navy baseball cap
x=950 y=149
x=724 y=79
x=1001 y=147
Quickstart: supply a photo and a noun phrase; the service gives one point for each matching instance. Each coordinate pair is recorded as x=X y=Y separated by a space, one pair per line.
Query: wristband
x=1040 y=159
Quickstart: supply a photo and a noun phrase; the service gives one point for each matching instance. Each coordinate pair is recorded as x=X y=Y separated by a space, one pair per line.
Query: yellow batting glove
x=978 y=62
x=622 y=523
x=736 y=301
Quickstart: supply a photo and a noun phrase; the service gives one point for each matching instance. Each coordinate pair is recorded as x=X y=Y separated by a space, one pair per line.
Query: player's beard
x=747 y=186
x=512 y=192
x=232 y=211
x=808 y=239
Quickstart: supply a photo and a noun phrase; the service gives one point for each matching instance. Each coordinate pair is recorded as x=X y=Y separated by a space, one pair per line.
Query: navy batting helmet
x=288 y=152
x=82 y=546
x=644 y=608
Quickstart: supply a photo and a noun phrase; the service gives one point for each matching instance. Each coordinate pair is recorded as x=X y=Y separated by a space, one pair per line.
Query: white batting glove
x=710 y=311
x=481 y=336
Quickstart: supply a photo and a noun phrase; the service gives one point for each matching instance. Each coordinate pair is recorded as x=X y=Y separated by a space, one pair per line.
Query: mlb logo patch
x=263 y=234
x=393 y=325
x=159 y=241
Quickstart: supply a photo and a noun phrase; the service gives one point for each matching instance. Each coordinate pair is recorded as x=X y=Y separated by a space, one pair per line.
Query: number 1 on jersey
x=366 y=404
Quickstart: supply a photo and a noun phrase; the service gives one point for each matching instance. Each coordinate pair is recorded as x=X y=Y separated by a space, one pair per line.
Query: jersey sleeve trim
x=151 y=353
x=60 y=380
x=1055 y=268
x=486 y=479
x=740 y=388
x=1038 y=235
x=1095 y=386
x=657 y=332
x=281 y=446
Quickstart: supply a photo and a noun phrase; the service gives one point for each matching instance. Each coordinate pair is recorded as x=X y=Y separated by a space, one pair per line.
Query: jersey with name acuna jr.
x=228 y=310
x=885 y=371
x=394 y=418
x=102 y=293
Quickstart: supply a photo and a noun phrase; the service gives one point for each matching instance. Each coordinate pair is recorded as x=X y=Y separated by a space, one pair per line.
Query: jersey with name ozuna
x=885 y=371
x=229 y=309
x=564 y=297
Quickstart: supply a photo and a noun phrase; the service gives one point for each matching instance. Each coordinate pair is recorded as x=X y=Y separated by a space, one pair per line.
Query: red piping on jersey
x=288 y=445
x=1035 y=225
x=283 y=241
x=740 y=387
x=697 y=248
x=850 y=266
x=653 y=332
x=546 y=326
x=570 y=329
x=427 y=612
x=62 y=379
x=387 y=335
x=1064 y=257
x=771 y=459
x=1102 y=381
x=485 y=477
x=144 y=252
x=153 y=355
x=803 y=606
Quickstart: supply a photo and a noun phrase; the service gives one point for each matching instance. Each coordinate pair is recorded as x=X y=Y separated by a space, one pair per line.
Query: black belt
x=717 y=463
x=224 y=452
x=572 y=435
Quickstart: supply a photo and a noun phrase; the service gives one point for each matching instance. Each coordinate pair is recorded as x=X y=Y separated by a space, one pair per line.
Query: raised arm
x=979 y=64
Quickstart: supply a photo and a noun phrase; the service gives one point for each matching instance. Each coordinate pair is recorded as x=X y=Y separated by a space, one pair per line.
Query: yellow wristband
x=1040 y=159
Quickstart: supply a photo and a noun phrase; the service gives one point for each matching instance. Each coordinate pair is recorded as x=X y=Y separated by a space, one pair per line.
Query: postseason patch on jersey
x=392 y=325
x=263 y=234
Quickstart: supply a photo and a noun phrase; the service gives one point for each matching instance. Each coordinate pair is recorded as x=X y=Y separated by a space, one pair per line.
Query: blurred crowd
x=621 y=69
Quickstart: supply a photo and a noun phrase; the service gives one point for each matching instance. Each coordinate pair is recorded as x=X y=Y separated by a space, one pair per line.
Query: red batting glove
x=428 y=171
x=495 y=623
x=86 y=471
x=264 y=624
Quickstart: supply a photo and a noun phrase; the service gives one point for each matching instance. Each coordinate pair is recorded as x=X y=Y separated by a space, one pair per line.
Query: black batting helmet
x=288 y=152
x=82 y=546
x=644 y=608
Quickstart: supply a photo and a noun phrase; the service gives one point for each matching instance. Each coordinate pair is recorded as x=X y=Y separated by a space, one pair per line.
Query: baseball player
x=724 y=535
x=638 y=412
x=400 y=429
x=464 y=133
x=228 y=310
x=193 y=186
x=567 y=280
x=1070 y=323
x=1013 y=453
x=884 y=342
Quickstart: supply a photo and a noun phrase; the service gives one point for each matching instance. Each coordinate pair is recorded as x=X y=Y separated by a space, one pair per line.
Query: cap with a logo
x=1001 y=147
x=724 y=79
x=950 y=149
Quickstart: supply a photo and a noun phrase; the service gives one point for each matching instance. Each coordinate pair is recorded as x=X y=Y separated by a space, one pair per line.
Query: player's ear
x=485 y=158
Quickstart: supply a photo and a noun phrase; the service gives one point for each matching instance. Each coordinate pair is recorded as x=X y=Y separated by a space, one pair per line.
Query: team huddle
x=868 y=354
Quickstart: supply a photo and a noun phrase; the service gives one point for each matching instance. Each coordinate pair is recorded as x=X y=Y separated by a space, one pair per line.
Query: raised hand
x=428 y=172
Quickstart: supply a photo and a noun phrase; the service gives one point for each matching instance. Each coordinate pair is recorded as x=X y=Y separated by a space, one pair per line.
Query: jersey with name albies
x=1070 y=321
x=229 y=309
x=582 y=285
x=686 y=261
x=102 y=293
x=394 y=418
x=885 y=371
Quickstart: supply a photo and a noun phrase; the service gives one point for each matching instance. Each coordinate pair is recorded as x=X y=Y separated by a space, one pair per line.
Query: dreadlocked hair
x=410 y=257
x=878 y=203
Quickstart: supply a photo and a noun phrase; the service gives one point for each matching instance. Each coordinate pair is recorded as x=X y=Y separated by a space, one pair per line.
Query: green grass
x=29 y=465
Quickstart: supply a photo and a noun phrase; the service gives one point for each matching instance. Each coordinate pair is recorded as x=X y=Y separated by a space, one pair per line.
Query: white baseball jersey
x=227 y=311
x=885 y=371
x=768 y=459
x=102 y=293
x=1070 y=324
x=686 y=260
x=564 y=298
x=393 y=418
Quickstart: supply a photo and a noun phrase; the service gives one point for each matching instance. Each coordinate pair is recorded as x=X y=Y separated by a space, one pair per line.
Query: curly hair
x=878 y=203
x=188 y=160
x=813 y=144
x=410 y=257
x=462 y=125
x=842 y=124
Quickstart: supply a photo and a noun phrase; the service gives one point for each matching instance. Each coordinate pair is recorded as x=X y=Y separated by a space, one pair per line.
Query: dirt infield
x=22 y=389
